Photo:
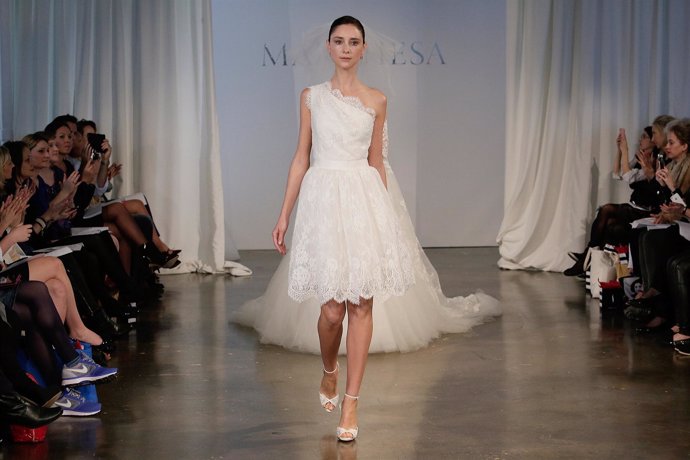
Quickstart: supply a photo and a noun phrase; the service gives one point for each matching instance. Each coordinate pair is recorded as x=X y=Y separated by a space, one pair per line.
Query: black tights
x=16 y=376
x=35 y=314
x=612 y=224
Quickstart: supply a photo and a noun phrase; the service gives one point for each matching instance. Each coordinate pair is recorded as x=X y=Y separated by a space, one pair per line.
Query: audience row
x=654 y=224
x=77 y=265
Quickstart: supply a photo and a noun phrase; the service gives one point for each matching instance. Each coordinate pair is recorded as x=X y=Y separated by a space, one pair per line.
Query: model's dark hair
x=347 y=20
x=648 y=131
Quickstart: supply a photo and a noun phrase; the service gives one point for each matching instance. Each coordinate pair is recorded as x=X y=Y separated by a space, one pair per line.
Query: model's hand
x=279 y=235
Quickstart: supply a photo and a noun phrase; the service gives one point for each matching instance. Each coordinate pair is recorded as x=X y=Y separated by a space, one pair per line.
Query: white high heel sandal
x=325 y=400
x=341 y=432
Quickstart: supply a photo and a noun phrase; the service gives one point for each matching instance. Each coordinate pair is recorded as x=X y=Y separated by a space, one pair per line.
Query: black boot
x=17 y=410
x=578 y=268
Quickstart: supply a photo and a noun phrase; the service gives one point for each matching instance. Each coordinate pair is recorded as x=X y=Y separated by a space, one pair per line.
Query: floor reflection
x=552 y=378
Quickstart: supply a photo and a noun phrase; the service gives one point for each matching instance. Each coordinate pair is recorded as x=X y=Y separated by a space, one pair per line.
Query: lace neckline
x=351 y=100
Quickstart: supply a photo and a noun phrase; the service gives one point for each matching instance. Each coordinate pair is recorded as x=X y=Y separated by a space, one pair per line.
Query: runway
x=549 y=379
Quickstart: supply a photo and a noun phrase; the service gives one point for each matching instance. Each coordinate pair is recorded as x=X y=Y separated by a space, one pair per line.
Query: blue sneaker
x=74 y=404
x=86 y=371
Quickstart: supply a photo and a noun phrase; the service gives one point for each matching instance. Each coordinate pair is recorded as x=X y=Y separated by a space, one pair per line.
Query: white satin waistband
x=340 y=164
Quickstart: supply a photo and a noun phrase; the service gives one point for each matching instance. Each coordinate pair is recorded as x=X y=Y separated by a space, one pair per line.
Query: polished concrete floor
x=550 y=379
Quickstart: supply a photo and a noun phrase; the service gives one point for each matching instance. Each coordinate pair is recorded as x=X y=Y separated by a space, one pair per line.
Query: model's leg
x=359 y=330
x=330 y=327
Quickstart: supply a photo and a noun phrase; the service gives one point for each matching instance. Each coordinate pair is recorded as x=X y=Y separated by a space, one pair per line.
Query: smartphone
x=95 y=141
x=662 y=161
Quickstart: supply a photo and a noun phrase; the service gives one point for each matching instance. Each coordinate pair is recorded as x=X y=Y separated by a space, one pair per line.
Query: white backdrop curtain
x=577 y=71
x=143 y=70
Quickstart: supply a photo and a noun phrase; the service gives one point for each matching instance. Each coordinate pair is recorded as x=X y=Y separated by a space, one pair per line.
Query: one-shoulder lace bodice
x=347 y=243
x=341 y=125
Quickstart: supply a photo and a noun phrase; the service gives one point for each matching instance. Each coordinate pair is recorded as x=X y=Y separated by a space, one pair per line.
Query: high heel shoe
x=324 y=399
x=342 y=432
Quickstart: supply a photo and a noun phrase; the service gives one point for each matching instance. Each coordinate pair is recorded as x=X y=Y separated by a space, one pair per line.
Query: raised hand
x=70 y=183
x=114 y=170
x=90 y=171
x=107 y=150
x=59 y=209
x=10 y=211
x=622 y=141
x=664 y=177
x=647 y=162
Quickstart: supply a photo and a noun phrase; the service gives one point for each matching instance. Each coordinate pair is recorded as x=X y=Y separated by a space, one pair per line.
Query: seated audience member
x=99 y=255
x=32 y=317
x=136 y=207
x=612 y=223
x=46 y=269
x=115 y=216
x=16 y=409
x=658 y=247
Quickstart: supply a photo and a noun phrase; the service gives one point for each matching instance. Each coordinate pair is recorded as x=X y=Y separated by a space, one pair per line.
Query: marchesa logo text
x=414 y=53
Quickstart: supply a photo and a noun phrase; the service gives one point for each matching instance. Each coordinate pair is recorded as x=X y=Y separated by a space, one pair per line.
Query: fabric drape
x=577 y=71
x=144 y=72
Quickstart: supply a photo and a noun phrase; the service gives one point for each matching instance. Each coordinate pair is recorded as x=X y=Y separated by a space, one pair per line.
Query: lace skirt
x=347 y=241
x=403 y=323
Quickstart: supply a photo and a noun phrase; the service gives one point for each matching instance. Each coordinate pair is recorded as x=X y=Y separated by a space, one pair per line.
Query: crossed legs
x=360 y=328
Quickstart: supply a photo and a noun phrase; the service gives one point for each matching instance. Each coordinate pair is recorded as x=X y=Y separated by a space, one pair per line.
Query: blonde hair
x=4 y=158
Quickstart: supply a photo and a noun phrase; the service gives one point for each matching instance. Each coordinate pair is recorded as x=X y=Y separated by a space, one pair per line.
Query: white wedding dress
x=406 y=316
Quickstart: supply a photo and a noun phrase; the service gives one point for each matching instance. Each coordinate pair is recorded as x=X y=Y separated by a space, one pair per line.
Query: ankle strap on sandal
x=352 y=397
x=334 y=370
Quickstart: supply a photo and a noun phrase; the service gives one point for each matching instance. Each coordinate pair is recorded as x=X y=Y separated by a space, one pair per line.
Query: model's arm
x=376 y=146
x=298 y=168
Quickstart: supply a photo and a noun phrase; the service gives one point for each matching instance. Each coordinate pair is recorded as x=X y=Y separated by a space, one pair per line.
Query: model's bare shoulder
x=375 y=99
x=305 y=98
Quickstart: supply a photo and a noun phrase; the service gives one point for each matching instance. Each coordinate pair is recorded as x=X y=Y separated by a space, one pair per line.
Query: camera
x=95 y=141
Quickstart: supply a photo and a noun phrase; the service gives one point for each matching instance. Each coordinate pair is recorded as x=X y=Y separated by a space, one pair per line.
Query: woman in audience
x=612 y=223
x=32 y=317
x=46 y=269
x=99 y=255
x=657 y=247
x=115 y=216
x=135 y=206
